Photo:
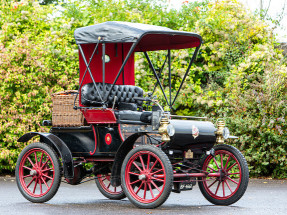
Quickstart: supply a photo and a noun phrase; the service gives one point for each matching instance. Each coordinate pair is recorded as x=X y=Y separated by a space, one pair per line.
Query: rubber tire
x=57 y=170
x=244 y=180
x=108 y=195
x=169 y=176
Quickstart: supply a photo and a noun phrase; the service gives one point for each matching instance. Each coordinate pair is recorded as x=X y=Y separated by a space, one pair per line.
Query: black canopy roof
x=149 y=37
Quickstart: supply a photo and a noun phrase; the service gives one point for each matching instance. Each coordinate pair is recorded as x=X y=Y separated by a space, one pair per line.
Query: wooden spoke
x=153 y=165
x=30 y=183
x=156 y=171
x=139 y=188
x=135 y=181
x=36 y=181
x=217 y=187
x=36 y=159
x=134 y=163
x=41 y=191
x=234 y=173
x=155 y=186
x=212 y=183
x=157 y=179
x=223 y=189
x=216 y=163
x=41 y=159
x=226 y=164
x=27 y=176
x=29 y=159
x=27 y=168
x=133 y=173
x=150 y=190
x=142 y=162
x=45 y=182
x=47 y=176
x=229 y=168
x=45 y=162
x=228 y=186
x=232 y=180
x=145 y=188
x=211 y=168
x=148 y=161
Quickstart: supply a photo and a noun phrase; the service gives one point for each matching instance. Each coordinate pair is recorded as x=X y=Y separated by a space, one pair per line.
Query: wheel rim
x=225 y=186
x=36 y=172
x=145 y=177
x=105 y=182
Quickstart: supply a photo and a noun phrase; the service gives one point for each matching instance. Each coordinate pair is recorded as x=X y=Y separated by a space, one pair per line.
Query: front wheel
x=38 y=173
x=147 y=176
x=232 y=183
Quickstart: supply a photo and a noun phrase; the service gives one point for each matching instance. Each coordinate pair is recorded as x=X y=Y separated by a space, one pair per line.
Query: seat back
x=124 y=93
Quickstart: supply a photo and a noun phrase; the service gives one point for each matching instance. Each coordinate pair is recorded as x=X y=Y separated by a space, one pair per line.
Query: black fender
x=60 y=146
x=123 y=150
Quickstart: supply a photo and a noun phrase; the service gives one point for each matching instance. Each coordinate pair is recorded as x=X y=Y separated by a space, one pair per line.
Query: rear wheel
x=232 y=183
x=104 y=185
x=38 y=172
x=147 y=176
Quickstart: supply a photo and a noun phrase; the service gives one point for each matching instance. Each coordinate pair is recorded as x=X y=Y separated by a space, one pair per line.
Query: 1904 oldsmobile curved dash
x=136 y=148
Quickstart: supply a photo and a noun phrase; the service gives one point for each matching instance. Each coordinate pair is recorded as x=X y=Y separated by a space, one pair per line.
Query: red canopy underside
x=153 y=42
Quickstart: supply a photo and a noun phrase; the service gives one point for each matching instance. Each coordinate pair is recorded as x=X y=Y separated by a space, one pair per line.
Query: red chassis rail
x=180 y=175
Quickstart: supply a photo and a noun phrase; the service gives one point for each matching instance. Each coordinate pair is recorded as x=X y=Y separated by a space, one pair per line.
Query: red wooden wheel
x=38 y=172
x=140 y=170
x=233 y=179
x=104 y=184
x=228 y=166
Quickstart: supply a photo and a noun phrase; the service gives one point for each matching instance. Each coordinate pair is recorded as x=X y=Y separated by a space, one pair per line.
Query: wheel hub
x=223 y=175
x=33 y=172
x=142 y=177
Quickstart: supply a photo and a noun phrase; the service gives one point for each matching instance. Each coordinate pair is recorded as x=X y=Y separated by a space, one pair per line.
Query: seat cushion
x=124 y=93
x=134 y=116
x=146 y=117
x=127 y=106
x=128 y=115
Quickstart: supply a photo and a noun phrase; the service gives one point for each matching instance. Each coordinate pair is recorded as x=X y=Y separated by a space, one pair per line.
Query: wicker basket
x=64 y=114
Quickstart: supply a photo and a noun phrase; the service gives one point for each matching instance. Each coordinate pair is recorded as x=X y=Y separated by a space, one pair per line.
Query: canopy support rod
x=122 y=68
x=157 y=78
x=96 y=48
x=159 y=74
x=169 y=77
x=90 y=72
x=104 y=64
x=123 y=55
x=186 y=73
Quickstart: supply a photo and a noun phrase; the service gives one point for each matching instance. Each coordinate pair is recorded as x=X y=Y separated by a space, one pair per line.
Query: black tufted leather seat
x=126 y=105
x=124 y=93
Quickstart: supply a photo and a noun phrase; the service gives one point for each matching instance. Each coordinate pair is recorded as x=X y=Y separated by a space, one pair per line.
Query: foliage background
x=239 y=74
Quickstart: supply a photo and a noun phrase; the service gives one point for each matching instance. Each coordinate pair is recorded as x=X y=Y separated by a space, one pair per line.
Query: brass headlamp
x=219 y=133
x=166 y=129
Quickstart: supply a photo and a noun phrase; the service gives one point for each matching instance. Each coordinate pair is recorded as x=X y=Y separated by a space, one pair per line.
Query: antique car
x=111 y=131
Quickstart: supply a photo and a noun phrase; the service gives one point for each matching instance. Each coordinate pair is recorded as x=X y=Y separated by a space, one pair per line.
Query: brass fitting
x=219 y=133
x=162 y=130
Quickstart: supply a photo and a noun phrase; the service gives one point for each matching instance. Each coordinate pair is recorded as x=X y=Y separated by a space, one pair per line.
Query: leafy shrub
x=36 y=59
x=246 y=83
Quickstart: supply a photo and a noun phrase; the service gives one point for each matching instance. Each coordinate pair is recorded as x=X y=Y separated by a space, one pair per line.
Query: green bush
x=246 y=83
x=37 y=59
x=238 y=75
